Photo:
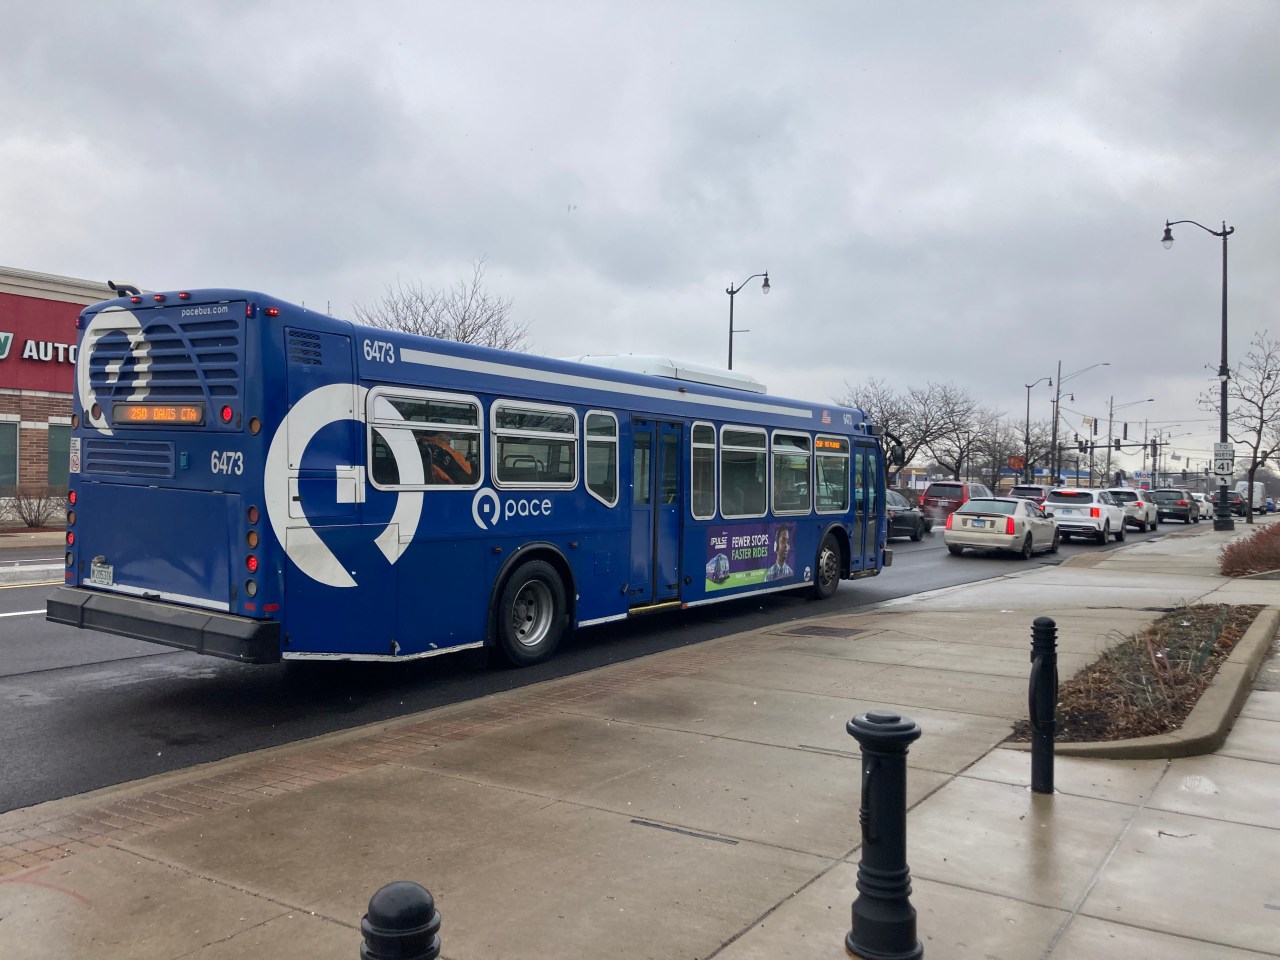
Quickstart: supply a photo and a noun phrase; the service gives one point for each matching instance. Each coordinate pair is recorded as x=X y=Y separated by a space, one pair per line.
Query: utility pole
x=1111 y=416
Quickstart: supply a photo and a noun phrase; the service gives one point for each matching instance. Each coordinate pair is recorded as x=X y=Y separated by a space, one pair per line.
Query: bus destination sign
x=180 y=414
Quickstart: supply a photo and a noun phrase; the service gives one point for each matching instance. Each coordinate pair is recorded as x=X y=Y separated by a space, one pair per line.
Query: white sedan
x=1079 y=511
x=1001 y=523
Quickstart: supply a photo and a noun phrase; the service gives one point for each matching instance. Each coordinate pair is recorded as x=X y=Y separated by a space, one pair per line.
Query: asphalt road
x=82 y=710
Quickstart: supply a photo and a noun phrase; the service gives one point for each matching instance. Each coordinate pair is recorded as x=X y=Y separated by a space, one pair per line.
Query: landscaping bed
x=1148 y=683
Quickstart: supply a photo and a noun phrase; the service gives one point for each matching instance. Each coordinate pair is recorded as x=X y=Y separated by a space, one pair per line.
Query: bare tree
x=958 y=421
x=915 y=417
x=998 y=439
x=465 y=312
x=1253 y=406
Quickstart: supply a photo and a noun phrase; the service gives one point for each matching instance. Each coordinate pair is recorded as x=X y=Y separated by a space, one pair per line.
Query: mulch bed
x=1148 y=683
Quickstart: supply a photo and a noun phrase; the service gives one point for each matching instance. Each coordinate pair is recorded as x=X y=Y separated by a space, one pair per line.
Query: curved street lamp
x=1222 y=515
x=1056 y=454
x=1026 y=435
x=732 y=291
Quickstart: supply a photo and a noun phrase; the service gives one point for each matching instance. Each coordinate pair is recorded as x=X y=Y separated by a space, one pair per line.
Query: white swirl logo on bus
x=487 y=508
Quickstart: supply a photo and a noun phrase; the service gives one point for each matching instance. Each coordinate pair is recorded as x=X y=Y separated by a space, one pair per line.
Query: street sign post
x=1224 y=459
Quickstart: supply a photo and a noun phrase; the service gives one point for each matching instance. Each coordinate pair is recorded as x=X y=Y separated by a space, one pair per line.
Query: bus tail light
x=250 y=562
x=71 y=539
x=71 y=497
x=226 y=413
x=1008 y=526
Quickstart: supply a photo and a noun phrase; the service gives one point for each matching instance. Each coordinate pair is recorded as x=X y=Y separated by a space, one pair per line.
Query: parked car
x=905 y=520
x=1079 y=511
x=1139 y=509
x=1030 y=491
x=942 y=497
x=1001 y=523
x=1175 y=503
x=1271 y=505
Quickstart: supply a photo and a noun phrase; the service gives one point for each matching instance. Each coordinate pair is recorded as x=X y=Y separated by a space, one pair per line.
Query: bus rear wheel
x=530 y=614
x=827 y=568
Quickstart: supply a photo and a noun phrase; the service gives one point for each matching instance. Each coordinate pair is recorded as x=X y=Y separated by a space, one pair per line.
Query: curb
x=51 y=573
x=1210 y=720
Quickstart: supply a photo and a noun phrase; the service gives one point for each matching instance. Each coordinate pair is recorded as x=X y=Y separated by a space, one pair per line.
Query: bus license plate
x=103 y=574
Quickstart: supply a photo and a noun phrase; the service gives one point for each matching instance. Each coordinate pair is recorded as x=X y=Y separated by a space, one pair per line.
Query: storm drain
x=816 y=630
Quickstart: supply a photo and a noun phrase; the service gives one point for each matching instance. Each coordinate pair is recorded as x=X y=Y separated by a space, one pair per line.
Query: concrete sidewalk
x=703 y=803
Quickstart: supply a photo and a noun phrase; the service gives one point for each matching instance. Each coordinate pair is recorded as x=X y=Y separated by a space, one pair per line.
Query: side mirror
x=897 y=456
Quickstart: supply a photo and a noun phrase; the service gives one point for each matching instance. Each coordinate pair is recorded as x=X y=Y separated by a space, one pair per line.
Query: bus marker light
x=272 y=311
x=158 y=297
x=135 y=299
x=270 y=607
x=255 y=425
x=250 y=562
x=184 y=295
x=75 y=420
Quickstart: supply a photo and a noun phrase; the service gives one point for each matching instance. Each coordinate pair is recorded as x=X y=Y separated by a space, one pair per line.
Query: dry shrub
x=36 y=509
x=1256 y=553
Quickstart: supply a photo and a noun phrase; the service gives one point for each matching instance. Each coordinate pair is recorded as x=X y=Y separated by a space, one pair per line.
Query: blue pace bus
x=254 y=480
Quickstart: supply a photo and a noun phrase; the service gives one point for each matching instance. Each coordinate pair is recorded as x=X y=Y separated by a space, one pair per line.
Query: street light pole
x=1222 y=516
x=732 y=291
x=1026 y=435
x=1111 y=417
x=1057 y=399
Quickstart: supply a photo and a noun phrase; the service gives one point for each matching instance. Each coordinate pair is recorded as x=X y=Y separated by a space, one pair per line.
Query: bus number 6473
x=227 y=461
x=379 y=350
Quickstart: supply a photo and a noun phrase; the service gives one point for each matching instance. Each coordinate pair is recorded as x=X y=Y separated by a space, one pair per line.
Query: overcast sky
x=965 y=192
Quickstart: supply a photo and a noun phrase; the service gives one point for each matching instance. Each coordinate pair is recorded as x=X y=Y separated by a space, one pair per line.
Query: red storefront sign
x=37 y=343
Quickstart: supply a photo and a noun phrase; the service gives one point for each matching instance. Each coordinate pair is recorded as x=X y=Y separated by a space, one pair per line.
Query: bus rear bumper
x=187 y=628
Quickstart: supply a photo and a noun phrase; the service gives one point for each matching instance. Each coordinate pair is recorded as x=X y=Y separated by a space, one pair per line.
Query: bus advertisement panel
x=255 y=480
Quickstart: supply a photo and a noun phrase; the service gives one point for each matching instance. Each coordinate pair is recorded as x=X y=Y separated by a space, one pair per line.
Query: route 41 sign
x=1224 y=459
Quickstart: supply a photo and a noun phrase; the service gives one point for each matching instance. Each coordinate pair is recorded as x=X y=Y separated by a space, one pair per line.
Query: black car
x=904 y=519
x=1175 y=503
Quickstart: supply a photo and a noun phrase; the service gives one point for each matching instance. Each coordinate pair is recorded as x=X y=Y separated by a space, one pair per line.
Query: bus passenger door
x=866 y=495
x=655 y=512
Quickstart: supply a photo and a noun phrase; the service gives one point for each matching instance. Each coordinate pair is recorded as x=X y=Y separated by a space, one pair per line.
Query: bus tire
x=826 y=568
x=530 y=614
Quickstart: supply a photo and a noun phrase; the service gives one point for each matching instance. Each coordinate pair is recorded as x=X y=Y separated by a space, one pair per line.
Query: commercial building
x=37 y=376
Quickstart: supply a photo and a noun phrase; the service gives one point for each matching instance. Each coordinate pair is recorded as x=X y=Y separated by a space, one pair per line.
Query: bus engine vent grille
x=304 y=347
x=153 y=459
x=176 y=360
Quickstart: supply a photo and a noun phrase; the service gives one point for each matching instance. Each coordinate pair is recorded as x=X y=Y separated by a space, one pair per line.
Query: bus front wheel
x=530 y=615
x=827 y=573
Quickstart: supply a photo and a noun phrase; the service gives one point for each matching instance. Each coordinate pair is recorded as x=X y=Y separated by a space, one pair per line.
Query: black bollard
x=402 y=924
x=884 y=922
x=1042 y=705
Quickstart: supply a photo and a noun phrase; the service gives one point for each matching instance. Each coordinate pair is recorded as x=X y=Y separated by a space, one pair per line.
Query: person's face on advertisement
x=783 y=546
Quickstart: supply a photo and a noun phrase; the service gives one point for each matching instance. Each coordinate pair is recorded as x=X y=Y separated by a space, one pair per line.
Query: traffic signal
x=1125 y=434
x=1184 y=475
x=1155 y=450
x=1095 y=428
x=1117 y=443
